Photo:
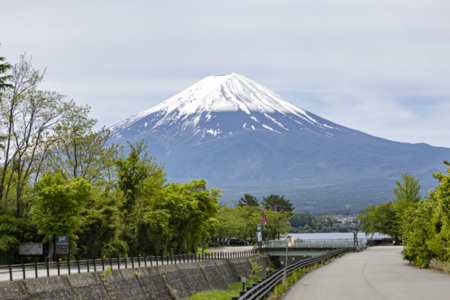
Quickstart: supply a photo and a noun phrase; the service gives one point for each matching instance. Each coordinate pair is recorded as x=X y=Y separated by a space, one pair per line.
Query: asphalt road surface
x=376 y=273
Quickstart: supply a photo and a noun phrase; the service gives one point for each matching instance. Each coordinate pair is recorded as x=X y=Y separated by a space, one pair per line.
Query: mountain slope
x=242 y=137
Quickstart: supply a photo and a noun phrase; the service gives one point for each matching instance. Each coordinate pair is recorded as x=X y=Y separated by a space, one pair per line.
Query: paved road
x=376 y=273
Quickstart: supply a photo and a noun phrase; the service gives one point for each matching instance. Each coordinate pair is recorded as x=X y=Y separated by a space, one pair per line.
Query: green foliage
x=389 y=218
x=277 y=203
x=59 y=203
x=240 y=222
x=424 y=224
x=100 y=228
x=248 y=200
x=192 y=207
x=417 y=233
x=77 y=150
x=134 y=169
x=4 y=79
x=382 y=219
x=256 y=270
x=427 y=226
x=277 y=223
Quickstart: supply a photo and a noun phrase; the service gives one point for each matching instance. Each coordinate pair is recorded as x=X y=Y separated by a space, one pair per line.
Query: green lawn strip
x=231 y=291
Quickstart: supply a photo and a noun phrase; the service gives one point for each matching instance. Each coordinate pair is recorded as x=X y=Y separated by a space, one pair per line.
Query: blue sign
x=62 y=239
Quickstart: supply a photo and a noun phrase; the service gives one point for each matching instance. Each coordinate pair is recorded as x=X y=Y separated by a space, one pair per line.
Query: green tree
x=439 y=240
x=301 y=219
x=277 y=223
x=101 y=224
x=418 y=232
x=277 y=203
x=28 y=116
x=389 y=218
x=248 y=200
x=78 y=150
x=133 y=169
x=4 y=79
x=58 y=204
x=382 y=219
x=191 y=205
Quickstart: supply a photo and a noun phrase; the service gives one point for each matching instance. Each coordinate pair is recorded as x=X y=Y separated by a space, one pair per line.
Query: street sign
x=31 y=249
x=62 y=245
x=62 y=239
x=258 y=236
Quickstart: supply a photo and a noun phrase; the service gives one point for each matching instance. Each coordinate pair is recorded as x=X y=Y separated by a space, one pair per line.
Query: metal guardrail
x=58 y=268
x=325 y=243
x=264 y=287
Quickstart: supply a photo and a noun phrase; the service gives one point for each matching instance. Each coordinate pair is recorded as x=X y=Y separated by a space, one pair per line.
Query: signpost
x=289 y=242
x=62 y=245
x=31 y=249
x=258 y=236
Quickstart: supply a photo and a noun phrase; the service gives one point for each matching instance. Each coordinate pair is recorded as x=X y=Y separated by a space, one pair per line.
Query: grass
x=441 y=266
x=231 y=291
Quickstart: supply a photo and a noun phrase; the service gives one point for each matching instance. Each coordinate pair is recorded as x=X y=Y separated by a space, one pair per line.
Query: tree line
x=60 y=177
x=241 y=220
x=422 y=224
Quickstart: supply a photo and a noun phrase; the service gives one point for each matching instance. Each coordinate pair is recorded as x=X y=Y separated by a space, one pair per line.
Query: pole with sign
x=62 y=245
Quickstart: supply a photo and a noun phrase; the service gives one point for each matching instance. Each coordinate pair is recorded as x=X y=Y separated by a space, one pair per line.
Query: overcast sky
x=379 y=66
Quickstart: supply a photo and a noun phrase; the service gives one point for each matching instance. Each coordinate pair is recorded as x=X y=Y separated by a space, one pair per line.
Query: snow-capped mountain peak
x=231 y=92
x=222 y=105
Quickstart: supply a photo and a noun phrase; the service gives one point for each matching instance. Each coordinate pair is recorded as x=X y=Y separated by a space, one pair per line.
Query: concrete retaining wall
x=169 y=282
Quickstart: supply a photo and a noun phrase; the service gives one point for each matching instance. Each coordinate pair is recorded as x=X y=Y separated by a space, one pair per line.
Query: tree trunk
x=51 y=249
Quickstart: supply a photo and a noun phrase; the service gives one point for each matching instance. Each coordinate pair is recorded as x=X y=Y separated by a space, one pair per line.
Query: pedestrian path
x=376 y=273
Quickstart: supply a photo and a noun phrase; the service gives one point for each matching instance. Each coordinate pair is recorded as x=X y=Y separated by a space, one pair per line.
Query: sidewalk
x=376 y=273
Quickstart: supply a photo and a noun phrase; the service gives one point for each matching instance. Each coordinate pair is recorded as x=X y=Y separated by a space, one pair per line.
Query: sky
x=378 y=66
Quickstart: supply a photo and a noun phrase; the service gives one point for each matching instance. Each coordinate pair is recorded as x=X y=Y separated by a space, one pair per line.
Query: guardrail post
x=110 y=262
x=68 y=264
x=35 y=270
x=23 y=270
x=139 y=261
x=125 y=260
x=10 y=273
x=95 y=266
x=48 y=271
x=87 y=265
x=103 y=263
x=78 y=265
x=118 y=263
x=132 y=263
x=145 y=261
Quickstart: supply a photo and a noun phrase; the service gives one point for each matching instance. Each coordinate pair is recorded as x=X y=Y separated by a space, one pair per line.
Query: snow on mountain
x=205 y=108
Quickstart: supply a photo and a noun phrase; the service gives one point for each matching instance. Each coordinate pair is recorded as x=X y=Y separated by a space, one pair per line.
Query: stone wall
x=169 y=282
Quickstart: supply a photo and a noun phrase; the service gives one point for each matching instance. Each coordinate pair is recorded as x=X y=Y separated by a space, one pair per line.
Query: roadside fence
x=42 y=269
x=324 y=243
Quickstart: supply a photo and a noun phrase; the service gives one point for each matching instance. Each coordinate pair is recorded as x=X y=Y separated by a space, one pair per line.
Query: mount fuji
x=244 y=138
